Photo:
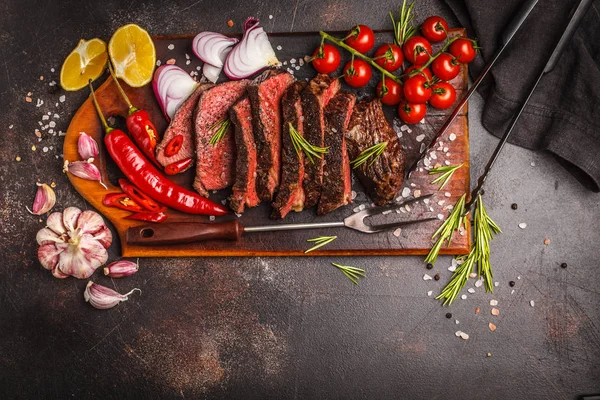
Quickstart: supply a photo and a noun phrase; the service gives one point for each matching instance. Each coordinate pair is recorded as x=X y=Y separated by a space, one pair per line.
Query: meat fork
x=188 y=232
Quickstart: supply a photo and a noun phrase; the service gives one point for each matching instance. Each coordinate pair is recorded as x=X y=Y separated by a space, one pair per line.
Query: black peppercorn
x=563 y=265
x=429 y=265
x=448 y=315
x=512 y=283
x=514 y=206
x=436 y=277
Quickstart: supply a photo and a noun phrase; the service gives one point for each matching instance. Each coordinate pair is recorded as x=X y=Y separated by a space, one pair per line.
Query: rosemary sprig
x=485 y=229
x=352 y=273
x=372 y=152
x=403 y=29
x=444 y=233
x=220 y=128
x=301 y=144
x=446 y=171
x=320 y=242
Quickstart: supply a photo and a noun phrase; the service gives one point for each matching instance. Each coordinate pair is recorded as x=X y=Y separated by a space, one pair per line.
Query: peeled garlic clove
x=49 y=255
x=120 y=269
x=87 y=146
x=84 y=170
x=70 y=216
x=55 y=222
x=44 y=199
x=83 y=257
x=102 y=297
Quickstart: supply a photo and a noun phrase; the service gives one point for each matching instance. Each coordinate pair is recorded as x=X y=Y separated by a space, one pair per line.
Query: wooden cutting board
x=290 y=49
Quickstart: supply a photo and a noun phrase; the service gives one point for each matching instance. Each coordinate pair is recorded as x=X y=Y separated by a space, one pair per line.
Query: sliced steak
x=314 y=99
x=244 y=188
x=265 y=99
x=181 y=124
x=368 y=126
x=291 y=194
x=215 y=164
x=337 y=184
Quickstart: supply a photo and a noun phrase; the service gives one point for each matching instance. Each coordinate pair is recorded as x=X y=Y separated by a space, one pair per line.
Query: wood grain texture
x=412 y=240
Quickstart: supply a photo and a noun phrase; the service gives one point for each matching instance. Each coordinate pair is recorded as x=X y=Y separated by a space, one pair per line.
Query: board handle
x=183 y=232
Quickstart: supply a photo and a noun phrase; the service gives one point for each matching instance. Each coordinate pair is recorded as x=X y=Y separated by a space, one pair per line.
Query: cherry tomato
x=443 y=96
x=411 y=113
x=389 y=57
x=417 y=50
x=417 y=89
x=463 y=50
x=392 y=94
x=361 y=38
x=426 y=72
x=357 y=73
x=326 y=59
x=445 y=67
x=434 y=29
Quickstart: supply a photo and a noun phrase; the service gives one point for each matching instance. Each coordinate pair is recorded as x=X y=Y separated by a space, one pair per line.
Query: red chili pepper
x=122 y=201
x=148 y=216
x=174 y=146
x=138 y=196
x=147 y=178
x=178 y=166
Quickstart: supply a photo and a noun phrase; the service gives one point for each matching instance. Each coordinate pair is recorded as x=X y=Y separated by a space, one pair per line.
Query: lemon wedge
x=85 y=62
x=132 y=53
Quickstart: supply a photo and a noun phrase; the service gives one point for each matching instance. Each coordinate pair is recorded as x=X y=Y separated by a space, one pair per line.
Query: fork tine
x=379 y=210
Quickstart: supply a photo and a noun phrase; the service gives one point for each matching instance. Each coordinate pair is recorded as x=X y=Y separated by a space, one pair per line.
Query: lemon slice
x=133 y=55
x=86 y=61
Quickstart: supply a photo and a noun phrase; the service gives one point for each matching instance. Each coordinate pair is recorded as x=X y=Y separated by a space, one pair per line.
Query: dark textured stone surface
x=276 y=327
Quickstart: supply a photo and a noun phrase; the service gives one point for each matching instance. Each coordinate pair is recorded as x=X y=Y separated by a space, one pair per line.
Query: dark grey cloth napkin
x=563 y=116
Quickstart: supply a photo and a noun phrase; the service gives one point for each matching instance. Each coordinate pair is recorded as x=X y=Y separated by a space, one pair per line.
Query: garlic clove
x=104 y=236
x=81 y=259
x=84 y=170
x=102 y=297
x=121 y=268
x=55 y=223
x=46 y=235
x=58 y=274
x=45 y=199
x=89 y=222
x=48 y=254
x=87 y=146
x=70 y=216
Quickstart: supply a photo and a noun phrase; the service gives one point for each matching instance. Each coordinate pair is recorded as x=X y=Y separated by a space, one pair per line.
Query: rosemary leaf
x=372 y=152
x=301 y=144
x=220 y=128
x=447 y=171
x=352 y=273
x=444 y=233
x=320 y=242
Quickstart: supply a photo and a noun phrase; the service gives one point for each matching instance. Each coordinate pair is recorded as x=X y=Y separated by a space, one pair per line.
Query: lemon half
x=86 y=61
x=133 y=56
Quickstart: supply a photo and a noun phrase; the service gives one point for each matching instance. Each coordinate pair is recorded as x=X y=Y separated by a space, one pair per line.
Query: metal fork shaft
x=289 y=227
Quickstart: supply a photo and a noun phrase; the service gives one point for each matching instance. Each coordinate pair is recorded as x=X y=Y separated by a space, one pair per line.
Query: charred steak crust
x=181 y=124
x=215 y=164
x=314 y=99
x=336 y=190
x=265 y=99
x=244 y=188
x=368 y=126
x=291 y=194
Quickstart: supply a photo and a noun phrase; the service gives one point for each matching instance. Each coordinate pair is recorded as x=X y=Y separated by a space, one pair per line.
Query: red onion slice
x=253 y=54
x=212 y=47
x=172 y=86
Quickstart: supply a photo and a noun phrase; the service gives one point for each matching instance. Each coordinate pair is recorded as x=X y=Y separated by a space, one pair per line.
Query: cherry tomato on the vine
x=463 y=50
x=389 y=57
x=426 y=71
x=326 y=59
x=417 y=50
x=391 y=94
x=434 y=29
x=357 y=73
x=417 y=89
x=445 y=67
x=411 y=113
x=443 y=96
x=361 y=38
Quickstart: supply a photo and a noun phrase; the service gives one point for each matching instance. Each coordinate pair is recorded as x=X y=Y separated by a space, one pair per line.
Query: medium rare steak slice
x=244 y=188
x=265 y=99
x=314 y=99
x=368 y=126
x=337 y=184
x=291 y=194
x=181 y=124
x=215 y=163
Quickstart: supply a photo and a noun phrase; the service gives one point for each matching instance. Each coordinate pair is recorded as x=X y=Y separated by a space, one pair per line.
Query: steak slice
x=181 y=124
x=368 y=126
x=314 y=99
x=215 y=163
x=337 y=184
x=291 y=194
x=244 y=188
x=265 y=99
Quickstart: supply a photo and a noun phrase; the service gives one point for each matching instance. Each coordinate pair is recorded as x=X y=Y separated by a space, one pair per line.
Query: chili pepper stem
x=107 y=128
x=131 y=108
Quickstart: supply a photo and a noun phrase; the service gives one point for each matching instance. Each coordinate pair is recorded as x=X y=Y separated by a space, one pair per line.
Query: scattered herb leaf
x=220 y=128
x=320 y=242
x=446 y=171
x=403 y=28
x=444 y=233
x=372 y=152
x=301 y=144
x=352 y=273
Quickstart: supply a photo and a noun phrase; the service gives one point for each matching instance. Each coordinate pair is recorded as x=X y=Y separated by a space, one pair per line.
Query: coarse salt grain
x=426 y=201
x=496 y=284
x=52 y=124
x=427 y=277
x=522 y=225
x=420 y=138
x=464 y=336
x=430 y=293
x=533 y=163
x=495 y=312
x=212 y=218
x=62 y=98
x=479 y=282
x=45 y=149
x=353 y=195
x=532 y=303
x=457 y=333
x=397 y=232
x=405 y=192
x=270 y=16
x=452 y=137
x=171 y=46
x=464 y=297
x=440 y=216
x=417 y=193
x=452 y=268
x=279 y=47
x=448 y=194
x=493 y=302
x=471 y=290
x=472 y=275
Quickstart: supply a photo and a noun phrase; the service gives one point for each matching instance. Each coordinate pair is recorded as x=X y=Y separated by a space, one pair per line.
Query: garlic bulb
x=73 y=243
